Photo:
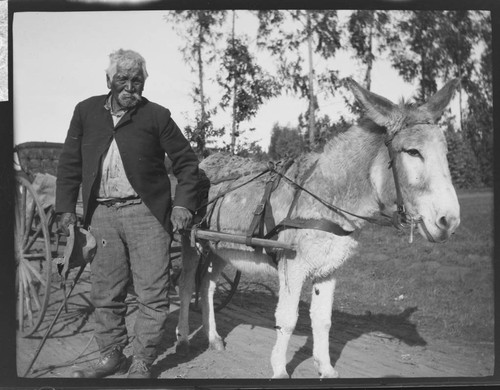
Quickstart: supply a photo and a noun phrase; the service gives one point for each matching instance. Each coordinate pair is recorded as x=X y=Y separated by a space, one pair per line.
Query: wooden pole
x=241 y=239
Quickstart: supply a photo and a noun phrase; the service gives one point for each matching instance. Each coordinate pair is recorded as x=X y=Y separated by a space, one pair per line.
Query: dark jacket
x=143 y=136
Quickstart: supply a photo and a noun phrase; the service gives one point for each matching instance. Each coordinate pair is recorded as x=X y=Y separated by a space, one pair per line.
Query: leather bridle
x=400 y=218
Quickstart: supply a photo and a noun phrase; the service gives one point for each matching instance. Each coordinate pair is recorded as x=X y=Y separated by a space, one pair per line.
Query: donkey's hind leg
x=207 y=289
x=321 y=321
x=186 y=288
x=291 y=280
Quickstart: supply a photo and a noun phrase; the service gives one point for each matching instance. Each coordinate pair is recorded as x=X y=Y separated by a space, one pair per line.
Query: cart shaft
x=241 y=239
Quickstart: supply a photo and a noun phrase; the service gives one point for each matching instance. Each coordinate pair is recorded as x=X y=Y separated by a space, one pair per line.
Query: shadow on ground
x=261 y=299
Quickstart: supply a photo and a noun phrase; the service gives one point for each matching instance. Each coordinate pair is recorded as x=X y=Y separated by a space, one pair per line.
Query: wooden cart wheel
x=33 y=257
x=226 y=285
x=226 y=288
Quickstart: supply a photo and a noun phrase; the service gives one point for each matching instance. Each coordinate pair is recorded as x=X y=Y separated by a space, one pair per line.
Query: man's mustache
x=131 y=98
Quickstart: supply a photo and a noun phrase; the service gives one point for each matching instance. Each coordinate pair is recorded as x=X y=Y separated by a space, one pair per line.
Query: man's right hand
x=66 y=220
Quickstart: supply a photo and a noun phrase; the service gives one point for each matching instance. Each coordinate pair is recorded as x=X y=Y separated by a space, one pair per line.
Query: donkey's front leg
x=186 y=289
x=207 y=289
x=321 y=321
x=291 y=281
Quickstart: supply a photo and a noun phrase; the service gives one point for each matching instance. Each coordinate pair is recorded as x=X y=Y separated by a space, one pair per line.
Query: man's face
x=126 y=86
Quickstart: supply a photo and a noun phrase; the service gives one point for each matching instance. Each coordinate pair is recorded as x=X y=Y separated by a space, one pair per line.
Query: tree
x=246 y=86
x=311 y=31
x=367 y=37
x=285 y=142
x=478 y=123
x=414 y=51
x=198 y=29
x=464 y=166
x=432 y=45
x=435 y=45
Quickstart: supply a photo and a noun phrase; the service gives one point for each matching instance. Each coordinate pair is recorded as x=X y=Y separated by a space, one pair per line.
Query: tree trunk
x=201 y=142
x=460 y=78
x=311 y=121
x=369 y=61
x=234 y=125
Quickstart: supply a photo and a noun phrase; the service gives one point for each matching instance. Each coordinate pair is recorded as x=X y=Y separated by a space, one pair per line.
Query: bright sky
x=60 y=59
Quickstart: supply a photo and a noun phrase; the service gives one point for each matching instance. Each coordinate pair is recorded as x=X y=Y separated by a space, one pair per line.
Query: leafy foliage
x=427 y=48
x=253 y=85
x=433 y=45
x=464 y=167
x=314 y=31
x=366 y=30
x=198 y=30
x=285 y=142
x=246 y=86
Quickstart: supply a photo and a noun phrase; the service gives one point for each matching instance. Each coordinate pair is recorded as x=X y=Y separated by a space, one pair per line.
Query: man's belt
x=120 y=202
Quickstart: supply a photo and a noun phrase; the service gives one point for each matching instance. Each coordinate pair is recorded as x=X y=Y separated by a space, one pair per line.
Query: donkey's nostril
x=443 y=222
x=448 y=222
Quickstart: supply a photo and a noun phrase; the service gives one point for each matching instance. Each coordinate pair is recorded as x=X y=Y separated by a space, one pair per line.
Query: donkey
x=353 y=173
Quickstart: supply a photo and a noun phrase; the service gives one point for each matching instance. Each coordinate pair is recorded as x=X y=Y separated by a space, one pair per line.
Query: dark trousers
x=131 y=242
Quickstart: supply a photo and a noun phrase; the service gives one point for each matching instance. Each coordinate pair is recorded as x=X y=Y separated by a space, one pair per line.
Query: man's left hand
x=181 y=218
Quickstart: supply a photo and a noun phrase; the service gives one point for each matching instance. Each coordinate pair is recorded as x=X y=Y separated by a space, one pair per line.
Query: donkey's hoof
x=281 y=375
x=329 y=373
x=182 y=348
x=216 y=345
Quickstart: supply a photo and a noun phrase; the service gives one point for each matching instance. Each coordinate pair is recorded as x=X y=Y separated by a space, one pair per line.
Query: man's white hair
x=125 y=58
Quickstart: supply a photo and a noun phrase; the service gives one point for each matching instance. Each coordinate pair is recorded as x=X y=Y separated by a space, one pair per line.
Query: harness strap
x=392 y=165
x=259 y=214
x=307 y=223
x=298 y=189
x=400 y=218
x=263 y=215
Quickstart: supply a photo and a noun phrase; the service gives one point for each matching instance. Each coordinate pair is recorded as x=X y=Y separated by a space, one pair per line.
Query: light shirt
x=114 y=182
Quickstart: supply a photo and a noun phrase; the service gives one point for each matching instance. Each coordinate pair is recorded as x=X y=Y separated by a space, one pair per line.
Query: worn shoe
x=113 y=362
x=139 y=369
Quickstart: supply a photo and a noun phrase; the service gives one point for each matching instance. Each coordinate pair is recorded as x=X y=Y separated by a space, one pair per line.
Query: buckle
x=399 y=219
x=259 y=209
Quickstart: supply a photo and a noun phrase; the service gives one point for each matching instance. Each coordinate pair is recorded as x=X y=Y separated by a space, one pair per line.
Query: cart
x=38 y=240
x=35 y=232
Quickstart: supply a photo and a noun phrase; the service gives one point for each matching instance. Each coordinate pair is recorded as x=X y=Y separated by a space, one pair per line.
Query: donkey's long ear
x=440 y=100
x=377 y=108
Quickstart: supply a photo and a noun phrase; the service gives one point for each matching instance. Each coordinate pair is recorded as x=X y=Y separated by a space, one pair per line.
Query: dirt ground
x=361 y=346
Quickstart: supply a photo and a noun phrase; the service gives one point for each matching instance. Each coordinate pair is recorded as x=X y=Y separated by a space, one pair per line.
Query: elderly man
x=115 y=149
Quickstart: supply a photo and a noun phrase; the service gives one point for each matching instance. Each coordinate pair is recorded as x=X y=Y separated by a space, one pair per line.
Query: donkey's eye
x=413 y=152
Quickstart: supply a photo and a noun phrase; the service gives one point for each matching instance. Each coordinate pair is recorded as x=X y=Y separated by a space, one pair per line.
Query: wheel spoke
x=20 y=303
x=33 y=238
x=22 y=214
x=29 y=223
x=33 y=257
x=34 y=295
x=29 y=267
x=27 y=301
x=230 y=281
